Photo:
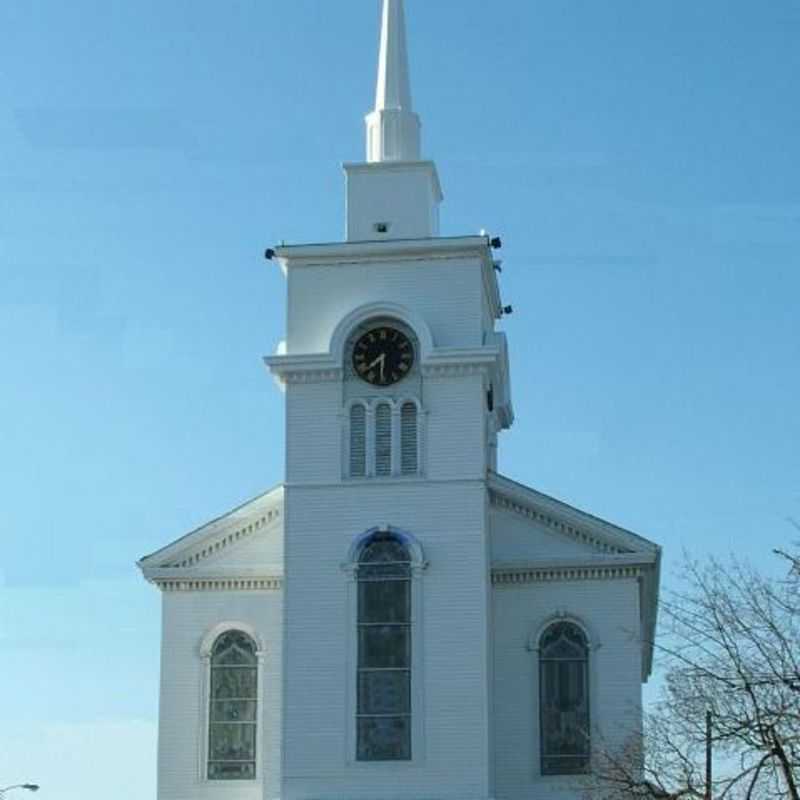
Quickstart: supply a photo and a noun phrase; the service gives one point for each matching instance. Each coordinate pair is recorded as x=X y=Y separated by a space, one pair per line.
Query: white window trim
x=396 y=408
x=593 y=645
x=205 y=650
x=418 y=567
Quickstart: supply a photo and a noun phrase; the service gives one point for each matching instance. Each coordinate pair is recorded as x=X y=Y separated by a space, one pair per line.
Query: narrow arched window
x=409 y=459
x=383 y=440
x=564 y=700
x=233 y=701
x=358 y=441
x=383 y=712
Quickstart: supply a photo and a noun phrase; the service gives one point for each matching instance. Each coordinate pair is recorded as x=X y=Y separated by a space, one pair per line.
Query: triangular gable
x=544 y=513
x=247 y=540
x=536 y=537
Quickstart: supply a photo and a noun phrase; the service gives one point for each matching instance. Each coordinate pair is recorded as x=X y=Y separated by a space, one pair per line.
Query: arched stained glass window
x=383 y=713
x=564 y=700
x=358 y=441
x=233 y=707
x=408 y=439
x=383 y=440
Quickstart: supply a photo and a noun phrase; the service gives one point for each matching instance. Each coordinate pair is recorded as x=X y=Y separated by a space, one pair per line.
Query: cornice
x=389 y=249
x=609 y=538
x=530 y=511
x=443 y=362
x=514 y=574
x=216 y=536
x=229 y=536
x=266 y=583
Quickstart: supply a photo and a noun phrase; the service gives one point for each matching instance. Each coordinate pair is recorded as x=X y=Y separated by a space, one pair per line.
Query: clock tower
x=396 y=387
x=396 y=620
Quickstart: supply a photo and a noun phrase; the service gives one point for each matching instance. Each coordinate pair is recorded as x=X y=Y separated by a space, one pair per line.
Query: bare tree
x=730 y=645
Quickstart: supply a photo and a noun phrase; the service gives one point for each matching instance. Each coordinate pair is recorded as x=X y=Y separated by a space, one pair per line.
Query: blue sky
x=640 y=161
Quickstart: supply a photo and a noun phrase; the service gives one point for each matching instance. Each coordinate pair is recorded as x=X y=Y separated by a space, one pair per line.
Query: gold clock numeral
x=383 y=356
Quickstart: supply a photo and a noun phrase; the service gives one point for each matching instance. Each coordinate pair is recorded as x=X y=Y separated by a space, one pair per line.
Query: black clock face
x=383 y=356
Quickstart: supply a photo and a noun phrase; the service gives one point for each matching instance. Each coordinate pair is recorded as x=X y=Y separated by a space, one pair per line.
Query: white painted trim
x=413 y=544
x=418 y=567
x=242 y=520
x=562 y=615
x=368 y=311
x=213 y=633
x=185 y=584
x=389 y=249
x=204 y=651
x=370 y=405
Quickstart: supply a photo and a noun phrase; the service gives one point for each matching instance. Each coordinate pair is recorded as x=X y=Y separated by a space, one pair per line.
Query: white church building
x=397 y=620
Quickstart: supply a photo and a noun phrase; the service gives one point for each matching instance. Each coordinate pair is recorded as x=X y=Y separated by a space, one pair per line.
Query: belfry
x=396 y=620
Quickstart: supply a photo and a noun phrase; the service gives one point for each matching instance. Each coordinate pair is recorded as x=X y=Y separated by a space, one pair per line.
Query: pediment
x=530 y=526
x=244 y=544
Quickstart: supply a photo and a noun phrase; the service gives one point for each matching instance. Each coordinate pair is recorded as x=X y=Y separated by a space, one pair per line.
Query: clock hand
x=381 y=359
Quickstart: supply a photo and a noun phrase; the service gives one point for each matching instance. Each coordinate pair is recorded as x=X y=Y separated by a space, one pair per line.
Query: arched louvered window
x=383 y=440
x=383 y=712
x=233 y=708
x=564 y=700
x=358 y=441
x=409 y=459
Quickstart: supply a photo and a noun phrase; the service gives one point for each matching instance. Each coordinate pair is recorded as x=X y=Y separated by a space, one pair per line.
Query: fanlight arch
x=409 y=541
x=370 y=311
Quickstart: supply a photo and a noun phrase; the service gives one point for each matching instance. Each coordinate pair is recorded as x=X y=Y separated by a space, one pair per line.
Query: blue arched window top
x=416 y=555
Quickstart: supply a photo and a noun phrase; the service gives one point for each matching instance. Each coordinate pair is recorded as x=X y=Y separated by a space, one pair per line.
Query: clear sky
x=640 y=160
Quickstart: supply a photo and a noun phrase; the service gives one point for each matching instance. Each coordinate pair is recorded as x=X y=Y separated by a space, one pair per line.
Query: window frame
x=206 y=651
x=371 y=407
x=591 y=645
x=417 y=565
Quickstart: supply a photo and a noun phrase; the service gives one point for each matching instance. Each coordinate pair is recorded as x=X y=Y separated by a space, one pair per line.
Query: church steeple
x=393 y=129
x=394 y=195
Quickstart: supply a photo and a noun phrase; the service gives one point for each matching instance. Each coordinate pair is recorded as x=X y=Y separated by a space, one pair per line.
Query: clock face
x=383 y=356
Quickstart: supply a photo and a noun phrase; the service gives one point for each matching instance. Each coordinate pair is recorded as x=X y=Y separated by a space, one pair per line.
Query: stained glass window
x=564 y=700
x=383 y=713
x=233 y=699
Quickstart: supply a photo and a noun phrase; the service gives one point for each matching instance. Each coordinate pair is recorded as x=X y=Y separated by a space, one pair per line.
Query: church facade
x=397 y=619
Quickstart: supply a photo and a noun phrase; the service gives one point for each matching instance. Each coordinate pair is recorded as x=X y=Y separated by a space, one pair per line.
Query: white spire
x=393 y=129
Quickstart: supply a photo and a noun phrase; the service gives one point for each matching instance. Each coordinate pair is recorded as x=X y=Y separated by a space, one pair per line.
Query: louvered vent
x=408 y=439
x=358 y=441
x=383 y=441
